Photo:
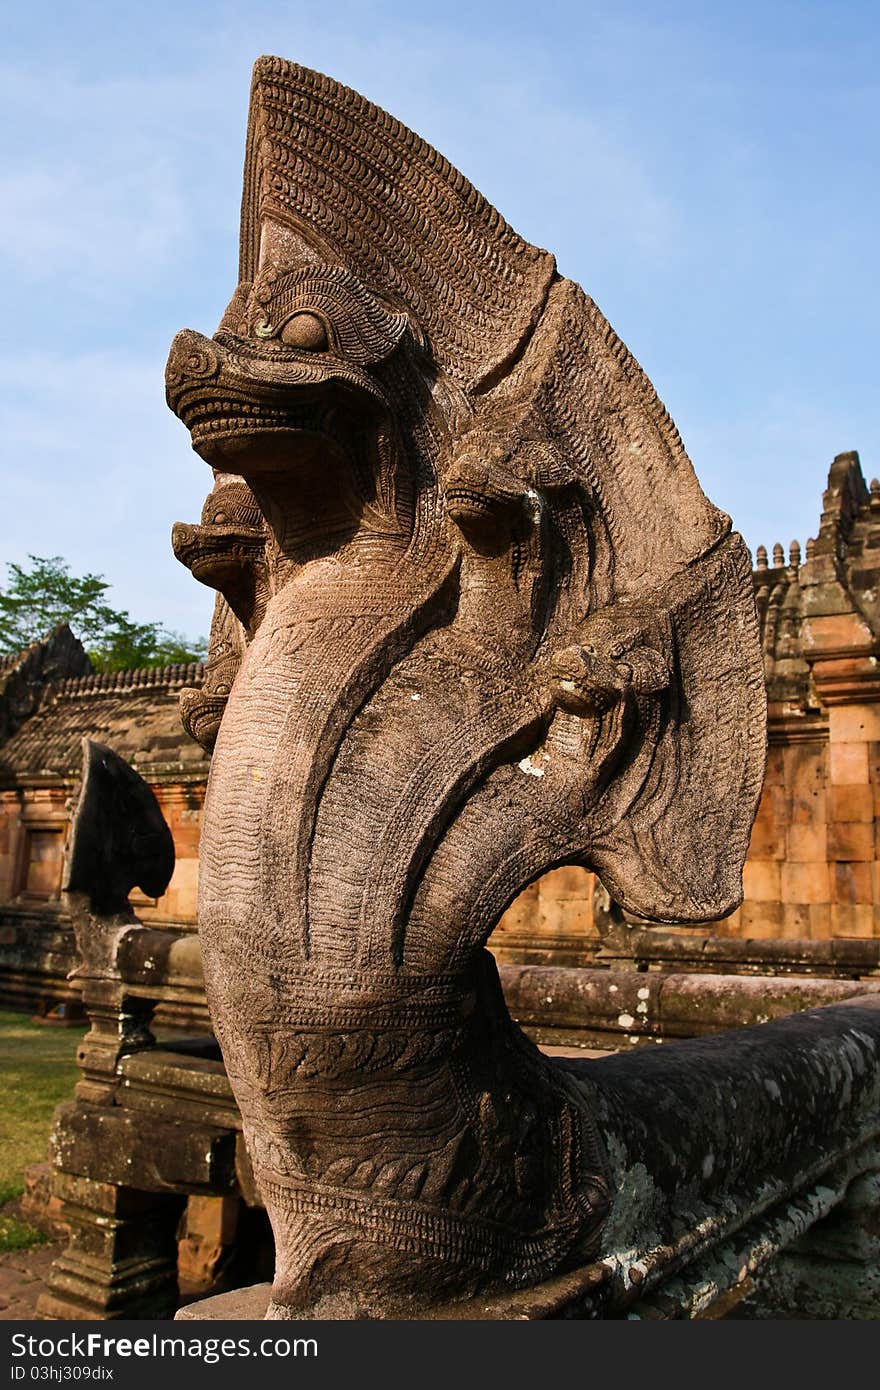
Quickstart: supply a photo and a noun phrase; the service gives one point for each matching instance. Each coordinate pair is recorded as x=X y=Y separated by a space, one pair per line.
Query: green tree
x=38 y=598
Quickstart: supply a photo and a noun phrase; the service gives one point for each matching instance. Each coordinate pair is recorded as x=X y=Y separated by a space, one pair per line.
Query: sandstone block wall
x=813 y=868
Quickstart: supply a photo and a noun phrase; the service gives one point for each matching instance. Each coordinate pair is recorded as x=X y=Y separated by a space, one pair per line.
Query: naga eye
x=305 y=331
x=218 y=519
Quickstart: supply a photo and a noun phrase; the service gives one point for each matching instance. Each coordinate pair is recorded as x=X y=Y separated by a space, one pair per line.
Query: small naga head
x=614 y=654
x=289 y=372
x=226 y=550
x=481 y=494
x=500 y=472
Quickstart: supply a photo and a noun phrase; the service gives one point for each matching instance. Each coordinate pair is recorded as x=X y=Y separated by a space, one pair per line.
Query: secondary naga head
x=476 y=619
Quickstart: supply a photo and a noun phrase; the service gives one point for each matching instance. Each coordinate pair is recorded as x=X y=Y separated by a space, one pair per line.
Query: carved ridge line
x=480 y=1239
x=315 y=147
x=319 y=735
x=466 y=291
x=278 y=80
x=436 y=782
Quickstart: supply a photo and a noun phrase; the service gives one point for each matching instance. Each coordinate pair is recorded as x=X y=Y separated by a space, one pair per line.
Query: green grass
x=18 y=1235
x=37 y=1070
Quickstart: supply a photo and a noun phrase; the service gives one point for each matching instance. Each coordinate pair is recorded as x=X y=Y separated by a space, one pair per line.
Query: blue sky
x=708 y=172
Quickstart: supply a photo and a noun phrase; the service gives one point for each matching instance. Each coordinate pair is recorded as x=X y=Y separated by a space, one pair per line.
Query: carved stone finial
x=778 y=555
x=794 y=554
x=811 y=547
x=875 y=492
x=761 y=558
x=845 y=495
x=469 y=584
x=119 y=838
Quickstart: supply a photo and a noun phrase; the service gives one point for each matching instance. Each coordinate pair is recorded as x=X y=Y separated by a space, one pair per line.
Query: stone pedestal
x=121 y=1260
x=246 y=1305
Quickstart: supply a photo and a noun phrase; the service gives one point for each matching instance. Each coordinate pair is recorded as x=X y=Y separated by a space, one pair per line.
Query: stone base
x=239 y=1305
x=811 y=1255
x=561 y=1297
x=121 y=1257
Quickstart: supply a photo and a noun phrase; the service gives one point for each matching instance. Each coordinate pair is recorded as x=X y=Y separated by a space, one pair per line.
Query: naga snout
x=192 y=359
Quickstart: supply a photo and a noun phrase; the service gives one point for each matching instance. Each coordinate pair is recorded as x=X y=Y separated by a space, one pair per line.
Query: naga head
x=287 y=404
x=482 y=494
x=289 y=381
x=503 y=469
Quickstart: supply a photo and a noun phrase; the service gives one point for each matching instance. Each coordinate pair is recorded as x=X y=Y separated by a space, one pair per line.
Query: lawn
x=37 y=1070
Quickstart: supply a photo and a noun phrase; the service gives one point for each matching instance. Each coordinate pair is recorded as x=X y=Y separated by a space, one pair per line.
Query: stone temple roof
x=134 y=712
x=826 y=603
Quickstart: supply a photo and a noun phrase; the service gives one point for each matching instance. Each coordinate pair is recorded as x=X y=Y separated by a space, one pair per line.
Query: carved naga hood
x=359 y=237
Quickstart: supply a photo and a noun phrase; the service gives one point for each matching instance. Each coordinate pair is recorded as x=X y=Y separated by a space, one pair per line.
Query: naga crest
x=475 y=619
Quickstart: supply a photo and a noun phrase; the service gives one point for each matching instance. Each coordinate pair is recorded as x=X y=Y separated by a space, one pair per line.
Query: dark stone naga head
x=475 y=619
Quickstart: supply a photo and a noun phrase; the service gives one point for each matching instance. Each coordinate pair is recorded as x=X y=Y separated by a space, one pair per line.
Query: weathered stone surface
x=618 y=1007
x=769 y=1124
x=179 y=1087
x=161 y=1156
x=802 y=1287
x=121 y=1258
x=477 y=620
x=833 y=1271
x=238 y=1304
x=656 y=949
x=745 y=1169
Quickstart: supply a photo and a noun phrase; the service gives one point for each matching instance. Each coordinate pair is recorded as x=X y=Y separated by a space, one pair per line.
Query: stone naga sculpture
x=476 y=619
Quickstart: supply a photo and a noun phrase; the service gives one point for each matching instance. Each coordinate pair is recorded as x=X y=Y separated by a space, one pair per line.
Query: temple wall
x=813 y=867
x=551 y=923
x=814 y=861
x=33 y=832
x=34 y=825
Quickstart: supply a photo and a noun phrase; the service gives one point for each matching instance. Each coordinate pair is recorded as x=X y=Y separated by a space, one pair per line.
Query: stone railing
x=745 y=1164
